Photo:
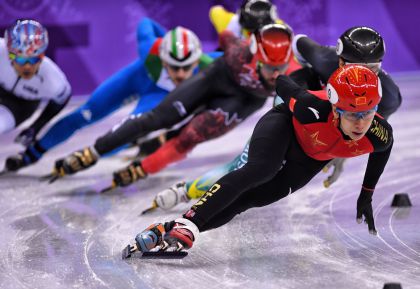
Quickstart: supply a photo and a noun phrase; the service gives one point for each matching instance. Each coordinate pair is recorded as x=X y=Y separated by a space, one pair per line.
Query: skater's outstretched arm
x=147 y=33
x=383 y=141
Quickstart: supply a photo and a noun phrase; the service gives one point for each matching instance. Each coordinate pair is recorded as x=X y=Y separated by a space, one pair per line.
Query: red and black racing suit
x=289 y=146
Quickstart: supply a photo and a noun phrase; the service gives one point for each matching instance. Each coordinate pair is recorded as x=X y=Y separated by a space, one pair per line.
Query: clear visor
x=353 y=116
x=20 y=60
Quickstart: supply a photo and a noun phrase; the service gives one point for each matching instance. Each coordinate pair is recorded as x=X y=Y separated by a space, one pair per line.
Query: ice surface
x=67 y=235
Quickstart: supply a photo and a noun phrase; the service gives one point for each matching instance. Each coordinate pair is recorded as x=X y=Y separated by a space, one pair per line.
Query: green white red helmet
x=180 y=47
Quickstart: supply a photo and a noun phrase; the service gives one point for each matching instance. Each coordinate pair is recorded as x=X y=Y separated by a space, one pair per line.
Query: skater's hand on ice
x=129 y=175
x=364 y=209
x=26 y=137
x=337 y=164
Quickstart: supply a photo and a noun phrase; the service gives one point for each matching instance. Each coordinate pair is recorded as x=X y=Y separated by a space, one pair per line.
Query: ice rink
x=67 y=235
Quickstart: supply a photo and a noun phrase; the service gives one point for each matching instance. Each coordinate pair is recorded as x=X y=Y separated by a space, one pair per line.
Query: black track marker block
x=392 y=286
x=401 y=200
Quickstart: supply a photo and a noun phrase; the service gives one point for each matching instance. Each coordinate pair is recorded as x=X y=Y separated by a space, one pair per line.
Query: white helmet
x=180 y=47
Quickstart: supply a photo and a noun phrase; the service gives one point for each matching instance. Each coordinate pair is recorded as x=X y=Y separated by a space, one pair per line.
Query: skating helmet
x=254 y=14
x=27 y=38
x=180 y=47
x=361 y=45
x=354 y=88
x=272 y=44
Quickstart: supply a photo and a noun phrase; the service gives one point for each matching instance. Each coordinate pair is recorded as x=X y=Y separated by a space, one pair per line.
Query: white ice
x=67 y=235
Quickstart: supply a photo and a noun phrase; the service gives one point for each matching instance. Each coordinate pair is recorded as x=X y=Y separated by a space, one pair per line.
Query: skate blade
x=107 y=189
x=131 y=251
x=164 y=255
x=46 y=177
x=151 y=209
x=5 y=172
x=50 y=178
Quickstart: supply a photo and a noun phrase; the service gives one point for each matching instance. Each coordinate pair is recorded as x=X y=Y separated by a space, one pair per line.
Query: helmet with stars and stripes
x=26 y=38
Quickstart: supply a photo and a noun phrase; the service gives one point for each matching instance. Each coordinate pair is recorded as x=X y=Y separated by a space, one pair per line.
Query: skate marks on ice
x=68 y=235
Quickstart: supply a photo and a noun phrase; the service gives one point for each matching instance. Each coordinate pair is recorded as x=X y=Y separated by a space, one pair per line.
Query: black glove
x=26 y=136
x=364 y=208
x=75 y=162
x=129 y=175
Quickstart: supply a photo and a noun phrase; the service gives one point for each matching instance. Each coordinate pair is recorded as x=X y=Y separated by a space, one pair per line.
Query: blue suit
x=132 y=80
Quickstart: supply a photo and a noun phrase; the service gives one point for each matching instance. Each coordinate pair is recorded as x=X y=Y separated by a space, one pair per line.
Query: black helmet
x=254 y=14
x=361 y=44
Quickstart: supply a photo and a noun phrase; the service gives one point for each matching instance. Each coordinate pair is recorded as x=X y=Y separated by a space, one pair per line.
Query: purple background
x=90 y=40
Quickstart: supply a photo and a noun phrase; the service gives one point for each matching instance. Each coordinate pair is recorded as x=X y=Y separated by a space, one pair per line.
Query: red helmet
x=354 y=88
x=272 y=44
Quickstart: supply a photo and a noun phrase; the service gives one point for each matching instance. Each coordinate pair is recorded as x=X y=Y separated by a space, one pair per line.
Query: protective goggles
x=20 y=60
x=353 y=116
x=272 y=68
x=374 y=66
x=184 y=68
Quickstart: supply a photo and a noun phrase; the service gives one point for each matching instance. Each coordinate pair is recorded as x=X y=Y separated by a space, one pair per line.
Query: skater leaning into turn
x=230 y=90
x=165 y=60
x=28 y=77
x=360 y=44
x=289 y=146
x=251 y=16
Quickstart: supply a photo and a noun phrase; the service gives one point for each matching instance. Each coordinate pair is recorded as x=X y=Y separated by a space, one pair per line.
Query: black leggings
x=212 y=89
x=21 y=108
x=277 y=167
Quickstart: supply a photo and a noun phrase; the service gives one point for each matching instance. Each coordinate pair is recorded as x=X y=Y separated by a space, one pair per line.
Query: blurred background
x=90 y=40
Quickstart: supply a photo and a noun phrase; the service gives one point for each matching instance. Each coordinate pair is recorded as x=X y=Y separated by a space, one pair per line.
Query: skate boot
x=129 y=175
x=16 y=162
x=150 y=238
x=169 y=198
x=23 y=159
x=126 y=176
x=166 y=241
x=182 y=234
x=75 y=162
